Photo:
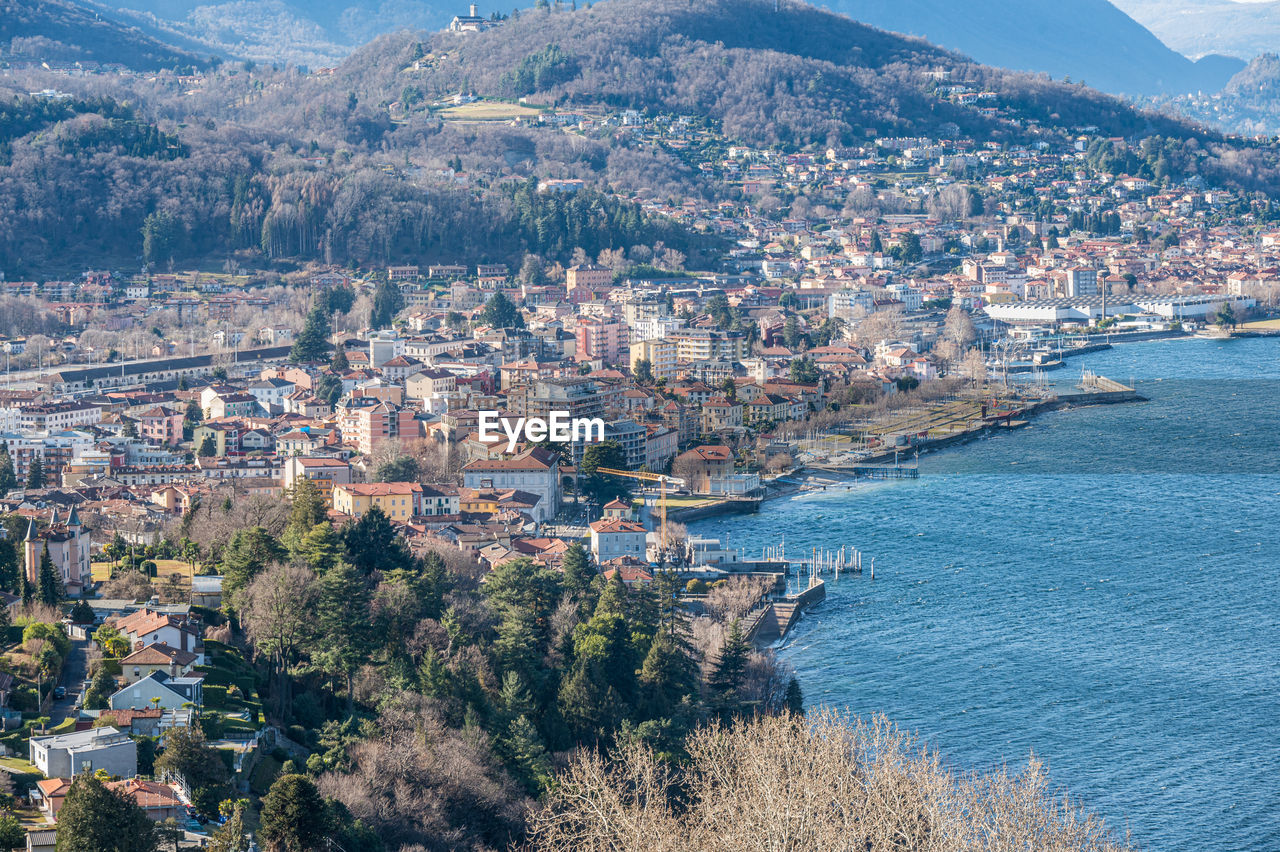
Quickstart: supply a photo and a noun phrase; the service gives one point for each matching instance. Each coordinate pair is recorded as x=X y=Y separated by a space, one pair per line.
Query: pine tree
x=387 y=302
x=729 y=672
x=8 y=480
x=94 y=818
x=526 y=754
x=577 y=568
x=312 y=343
x=344 y=623
x=50 y=591
x=208 y=447
x=340 y=364
x=294 y=817
x=308 y=509
x=321 y=548
x=35 y=474
x=667 y=676
x=373 y=544
x=501 y=312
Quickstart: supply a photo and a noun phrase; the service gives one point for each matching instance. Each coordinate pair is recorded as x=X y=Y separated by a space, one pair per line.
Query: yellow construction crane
x=644 y=476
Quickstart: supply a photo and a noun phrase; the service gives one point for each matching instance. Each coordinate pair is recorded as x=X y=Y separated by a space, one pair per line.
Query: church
x=68 y=548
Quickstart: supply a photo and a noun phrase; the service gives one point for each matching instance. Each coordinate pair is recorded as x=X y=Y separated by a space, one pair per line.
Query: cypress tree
x=50 y=584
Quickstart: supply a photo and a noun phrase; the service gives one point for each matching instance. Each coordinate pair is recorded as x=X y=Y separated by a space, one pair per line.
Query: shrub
x=215 y=696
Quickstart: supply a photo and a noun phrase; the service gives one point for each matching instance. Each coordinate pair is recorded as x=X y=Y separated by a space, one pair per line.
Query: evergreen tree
x=388 y=301
x=729 y=673
x=8 y=480
x=35 y=473
x=94 y=818
x=501 y=312
x=10 y=568
x=795 y=698
x=372 y=543
x=526 y=755
x=13 y=835
x=100 y=689
x=577 y=569
x=340 y=364
x=312 y=343
x=250 y=551
x=50 y=584
x=435 y=582
x=294 y=817
x=600 y=487
x=344 y=623
x=668 y=676
x=191 y=419
x=321 y=548
x=208 y=447
x=306 y=511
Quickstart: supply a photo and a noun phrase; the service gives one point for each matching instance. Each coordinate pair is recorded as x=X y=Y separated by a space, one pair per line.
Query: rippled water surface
x=1101 y=588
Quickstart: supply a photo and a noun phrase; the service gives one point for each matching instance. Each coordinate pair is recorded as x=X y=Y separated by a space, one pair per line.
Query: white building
x=67 y=755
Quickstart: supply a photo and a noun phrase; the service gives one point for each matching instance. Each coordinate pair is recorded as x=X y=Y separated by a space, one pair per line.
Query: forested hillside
x=362 y=165
x=65 y=31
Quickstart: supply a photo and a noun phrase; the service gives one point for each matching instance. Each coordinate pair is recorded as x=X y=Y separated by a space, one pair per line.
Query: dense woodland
x=224 y=164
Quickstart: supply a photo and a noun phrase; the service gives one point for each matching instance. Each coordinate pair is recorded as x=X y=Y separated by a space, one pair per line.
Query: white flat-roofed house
x=67 y=755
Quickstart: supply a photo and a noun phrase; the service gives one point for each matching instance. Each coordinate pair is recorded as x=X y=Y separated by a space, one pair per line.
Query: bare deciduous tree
x=826 y=783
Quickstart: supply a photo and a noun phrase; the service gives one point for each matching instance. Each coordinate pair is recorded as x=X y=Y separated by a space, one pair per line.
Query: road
x=74 y=671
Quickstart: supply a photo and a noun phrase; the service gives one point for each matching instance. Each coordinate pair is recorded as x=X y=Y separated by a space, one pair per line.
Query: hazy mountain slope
x=1088 y=40
x=1199 y=27
x=311 y=33
x=63 y=31
x=796 y=74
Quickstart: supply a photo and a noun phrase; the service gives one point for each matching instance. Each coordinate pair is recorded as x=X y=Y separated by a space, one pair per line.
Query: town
x=186 y=451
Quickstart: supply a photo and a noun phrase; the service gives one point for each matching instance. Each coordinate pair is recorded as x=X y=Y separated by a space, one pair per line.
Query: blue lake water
x=1101 y=588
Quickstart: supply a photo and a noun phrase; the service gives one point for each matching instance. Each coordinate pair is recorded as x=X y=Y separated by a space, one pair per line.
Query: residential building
x=614 y=537
x=159 y=690
x=535 y=470
x=67 y=755
x=399 y=501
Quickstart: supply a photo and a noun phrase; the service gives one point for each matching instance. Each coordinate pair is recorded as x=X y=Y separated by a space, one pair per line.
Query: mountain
x=1200 y=27
x=316 y=33
x=1089 y=40
x=60 y=31
x=773 y=73
x=1249 y=104
x=367 y=163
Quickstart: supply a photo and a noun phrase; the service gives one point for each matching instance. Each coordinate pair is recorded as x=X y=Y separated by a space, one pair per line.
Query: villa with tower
x=68 y=548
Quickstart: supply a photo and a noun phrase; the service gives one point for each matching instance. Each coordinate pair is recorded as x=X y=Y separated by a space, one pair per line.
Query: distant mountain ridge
x=61 y=31
x=1200 y=27
x=1089 y=40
